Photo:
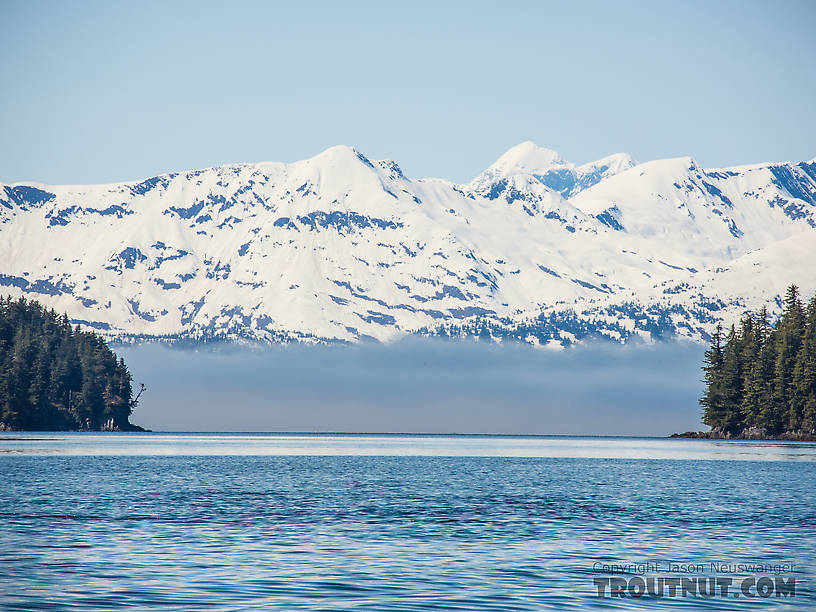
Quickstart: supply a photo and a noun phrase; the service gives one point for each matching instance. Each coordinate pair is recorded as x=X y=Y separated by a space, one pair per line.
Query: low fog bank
x=420 y=385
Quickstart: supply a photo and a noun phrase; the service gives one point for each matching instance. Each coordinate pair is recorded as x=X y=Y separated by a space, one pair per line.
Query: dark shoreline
x=129 y=429
x=748 y=434
x=787 y=436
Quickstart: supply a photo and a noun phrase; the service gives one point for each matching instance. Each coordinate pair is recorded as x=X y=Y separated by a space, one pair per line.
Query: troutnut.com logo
x=670 y=579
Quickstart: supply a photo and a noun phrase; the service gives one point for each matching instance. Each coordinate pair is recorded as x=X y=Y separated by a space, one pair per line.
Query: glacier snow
x=343 y=248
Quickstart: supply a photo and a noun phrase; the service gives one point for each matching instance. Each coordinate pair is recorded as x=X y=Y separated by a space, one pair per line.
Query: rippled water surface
x=319 y=522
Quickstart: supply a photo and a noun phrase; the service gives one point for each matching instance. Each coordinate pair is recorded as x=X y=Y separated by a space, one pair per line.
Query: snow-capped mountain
x=546 y=167
x=340 y=247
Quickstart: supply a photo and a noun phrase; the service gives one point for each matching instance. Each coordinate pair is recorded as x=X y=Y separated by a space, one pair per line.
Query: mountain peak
x=339 y=247
x=341 y=154
x=526 y=158
x=614 y=164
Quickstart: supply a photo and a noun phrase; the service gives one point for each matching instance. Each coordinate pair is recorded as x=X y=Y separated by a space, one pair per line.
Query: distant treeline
x=54 y=376
x=762 y=376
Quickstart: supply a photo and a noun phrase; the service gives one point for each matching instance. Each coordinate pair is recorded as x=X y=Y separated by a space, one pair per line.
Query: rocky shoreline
x=130 y=427
x=751 y=433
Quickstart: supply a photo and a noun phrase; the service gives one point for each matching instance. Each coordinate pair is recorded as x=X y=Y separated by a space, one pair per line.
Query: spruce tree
x=803 y=394
x=763 y=375
x=770 y=415
x=754 y=388
x=713 y=401
x=788 y=342
x=731 y=383
x=55 y=376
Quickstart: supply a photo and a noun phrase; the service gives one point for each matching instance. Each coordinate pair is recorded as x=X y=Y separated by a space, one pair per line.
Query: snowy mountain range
x=343 y=248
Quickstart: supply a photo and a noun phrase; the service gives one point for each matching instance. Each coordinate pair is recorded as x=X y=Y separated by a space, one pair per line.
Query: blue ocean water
x=344 y=522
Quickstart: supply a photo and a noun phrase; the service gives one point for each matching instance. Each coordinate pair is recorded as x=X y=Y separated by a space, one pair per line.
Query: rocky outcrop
x=749 y=433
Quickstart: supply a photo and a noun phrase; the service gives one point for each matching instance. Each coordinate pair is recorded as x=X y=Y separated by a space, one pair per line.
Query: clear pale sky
x=106 y=91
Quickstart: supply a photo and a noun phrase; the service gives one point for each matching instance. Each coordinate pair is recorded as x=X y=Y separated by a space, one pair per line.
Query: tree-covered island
x=760 y=377
x=57 y=377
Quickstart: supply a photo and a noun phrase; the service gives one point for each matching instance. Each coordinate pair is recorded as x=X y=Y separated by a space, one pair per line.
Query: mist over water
x=421 y=385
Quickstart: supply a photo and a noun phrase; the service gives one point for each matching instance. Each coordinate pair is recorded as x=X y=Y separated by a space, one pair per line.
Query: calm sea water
x=320 y=522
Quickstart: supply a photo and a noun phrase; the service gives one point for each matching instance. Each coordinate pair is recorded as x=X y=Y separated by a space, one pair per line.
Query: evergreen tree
x=763 y=375
x=713 y=401
x=753 y=383
x=771 y=417
x=759 y=391
x=55 y=376
x=731 y=381
x=788 y=342
x=803 y=396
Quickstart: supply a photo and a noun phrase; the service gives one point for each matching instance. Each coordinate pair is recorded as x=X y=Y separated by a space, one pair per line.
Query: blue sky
x=103 y=91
